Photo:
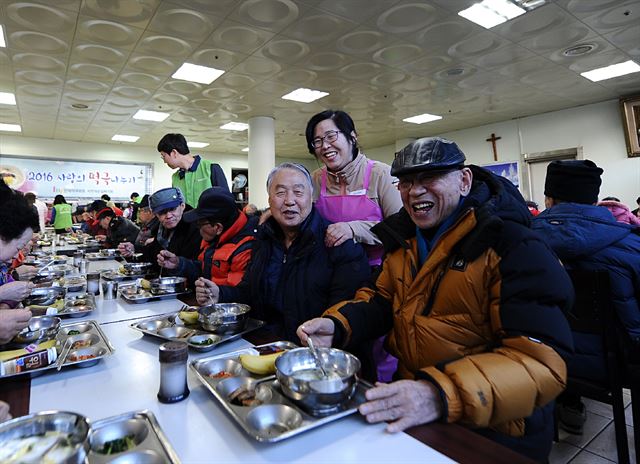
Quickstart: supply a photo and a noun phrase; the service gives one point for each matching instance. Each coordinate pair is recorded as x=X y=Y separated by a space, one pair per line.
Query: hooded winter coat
x=588 y=237
x=621 y=212
x=481 y=318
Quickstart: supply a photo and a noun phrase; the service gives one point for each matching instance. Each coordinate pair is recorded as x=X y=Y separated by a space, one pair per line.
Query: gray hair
x=295 y=167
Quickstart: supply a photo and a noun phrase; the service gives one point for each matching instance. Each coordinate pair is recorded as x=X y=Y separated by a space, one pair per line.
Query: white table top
x=198 y=428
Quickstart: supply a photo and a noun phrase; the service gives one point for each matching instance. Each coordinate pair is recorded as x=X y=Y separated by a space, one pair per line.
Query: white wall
x=597 y=128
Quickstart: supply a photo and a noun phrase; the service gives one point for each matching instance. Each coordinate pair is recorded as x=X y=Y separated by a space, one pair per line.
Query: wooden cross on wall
x=493 y=140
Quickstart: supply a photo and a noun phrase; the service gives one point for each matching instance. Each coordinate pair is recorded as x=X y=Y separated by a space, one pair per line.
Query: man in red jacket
x=227 y=239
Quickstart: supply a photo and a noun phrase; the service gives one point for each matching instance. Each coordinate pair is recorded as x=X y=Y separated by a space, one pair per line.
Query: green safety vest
x=193 y=183
x=63 y=216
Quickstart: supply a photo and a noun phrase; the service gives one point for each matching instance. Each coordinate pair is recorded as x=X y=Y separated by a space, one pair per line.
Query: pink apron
x=343 y=208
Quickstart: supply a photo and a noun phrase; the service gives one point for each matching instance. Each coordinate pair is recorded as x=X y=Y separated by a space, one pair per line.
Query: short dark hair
x=611 y=199
x=16 y=215
x=105 y=197
x=134 y=195
x=59 y=200
x=170 y=142
x=343 y=122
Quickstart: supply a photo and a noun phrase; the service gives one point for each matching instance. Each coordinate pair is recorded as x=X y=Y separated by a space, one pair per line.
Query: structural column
x=262 y=158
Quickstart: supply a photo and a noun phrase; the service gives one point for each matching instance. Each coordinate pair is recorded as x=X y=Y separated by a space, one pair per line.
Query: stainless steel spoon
x=316 y=356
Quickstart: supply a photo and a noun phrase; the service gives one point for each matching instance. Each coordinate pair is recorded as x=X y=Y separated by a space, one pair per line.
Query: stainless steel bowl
x=40 y=329
x=302 y=381
x=224 y=318
x=111 y=252
x=168 y=285
x=44 y=296
x=136 y=268
x=74 y=426
x=47 y=274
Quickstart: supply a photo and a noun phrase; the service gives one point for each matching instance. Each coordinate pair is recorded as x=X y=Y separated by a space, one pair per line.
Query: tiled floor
x=597 y=445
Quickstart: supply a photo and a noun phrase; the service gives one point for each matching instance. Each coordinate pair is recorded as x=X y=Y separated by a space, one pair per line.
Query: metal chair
x=592 y=314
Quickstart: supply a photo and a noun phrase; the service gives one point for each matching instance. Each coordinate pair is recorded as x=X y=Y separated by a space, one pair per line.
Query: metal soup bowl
x=136 y=268
x=224 y=318
x=168 y=285
x=302 y=381
x=44 y=296
x=40 y=329
x=74 y=426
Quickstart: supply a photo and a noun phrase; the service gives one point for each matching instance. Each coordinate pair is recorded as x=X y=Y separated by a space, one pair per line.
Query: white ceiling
x=380 y=60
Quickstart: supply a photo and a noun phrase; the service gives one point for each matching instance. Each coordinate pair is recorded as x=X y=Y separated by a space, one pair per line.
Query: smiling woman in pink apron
x=353 y=192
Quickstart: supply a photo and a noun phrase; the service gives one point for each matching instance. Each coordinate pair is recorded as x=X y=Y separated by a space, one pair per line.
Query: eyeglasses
x=423 y=179
x=330 y=136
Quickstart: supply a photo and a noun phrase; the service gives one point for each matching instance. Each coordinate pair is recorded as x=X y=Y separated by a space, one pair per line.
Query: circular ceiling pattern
x=286 y=49
x=165 y=46
x=152 y=64
x=268 y=13
x=170 y=98
x=38 y=78
x=188 y=24
x=407 y=17
x=359 y=42
x=108 y=32
x=92 y=71
x=40 y=62
x=85 y=85
x=98 y=53
x=182 y=87
x=38 y=42
x=43 y=17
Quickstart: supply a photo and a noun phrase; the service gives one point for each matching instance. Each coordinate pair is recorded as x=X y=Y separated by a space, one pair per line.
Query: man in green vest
x=194 y=174
x=61 y=215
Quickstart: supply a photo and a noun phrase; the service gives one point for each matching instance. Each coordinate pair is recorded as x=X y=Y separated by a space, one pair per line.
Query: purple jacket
x=621 y=212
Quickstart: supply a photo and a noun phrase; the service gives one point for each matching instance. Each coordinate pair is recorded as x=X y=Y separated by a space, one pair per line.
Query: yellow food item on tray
x=121 y=269
x=6 y=355
x=188 y=317
x=144 y=283
x=260 y=364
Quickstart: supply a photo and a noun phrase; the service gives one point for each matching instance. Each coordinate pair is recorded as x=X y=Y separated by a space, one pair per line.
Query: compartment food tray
x=151 y=326
x=288 y=418
x=152 y=444
x=143 y=295
x=102 y=347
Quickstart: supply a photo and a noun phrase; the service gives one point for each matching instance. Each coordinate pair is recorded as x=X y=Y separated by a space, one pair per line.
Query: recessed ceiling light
x=3 y=43
x=197 y=144
x=489 y=13
x=245 y=149
x=125 y=138
x=196 y=73
x=609 y=72
x=7 y=98
x=10 y=127
x=422 y=118
x=151 y=115
x=305 y=95
x=79 y=106
x=578 y=50
x=236 y=126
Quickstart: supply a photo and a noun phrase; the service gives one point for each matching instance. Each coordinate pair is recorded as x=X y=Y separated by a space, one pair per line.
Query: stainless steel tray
x=155 y=326
x=97 y=256
x=70 y=306
x=134 y=293
x=114 y=274
x=278 y=417
x=152 y=444
x=100 y=348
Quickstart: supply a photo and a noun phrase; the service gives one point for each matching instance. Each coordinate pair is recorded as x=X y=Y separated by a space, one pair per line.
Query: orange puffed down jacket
x=481 y=318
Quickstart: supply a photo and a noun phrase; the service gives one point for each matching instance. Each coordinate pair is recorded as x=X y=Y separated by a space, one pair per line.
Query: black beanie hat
x=575 y=181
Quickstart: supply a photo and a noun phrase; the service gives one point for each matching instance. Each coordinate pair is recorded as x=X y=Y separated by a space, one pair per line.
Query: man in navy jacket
x=587 y=237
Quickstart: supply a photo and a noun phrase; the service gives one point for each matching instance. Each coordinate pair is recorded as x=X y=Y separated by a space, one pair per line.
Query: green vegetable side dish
x=205 y=342
x=119 y=445
x=73 y=332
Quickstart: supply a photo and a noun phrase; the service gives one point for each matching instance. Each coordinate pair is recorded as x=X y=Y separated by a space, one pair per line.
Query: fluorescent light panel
x=422 y=118
x=151 y=115
x=305 y=95
x=7 y=98
x=236 y=126
x=245 y=149
x=609 y=72
x=489 y=13
x=197 y=144
x=196 y=73
x=125 y=138
x=3 y=43
x=10 y=127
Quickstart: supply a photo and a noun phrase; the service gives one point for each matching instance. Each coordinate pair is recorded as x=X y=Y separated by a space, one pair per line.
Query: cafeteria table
x=199 y=429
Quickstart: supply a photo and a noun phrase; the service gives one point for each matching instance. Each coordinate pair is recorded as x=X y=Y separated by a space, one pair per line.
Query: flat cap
x=428 y=154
